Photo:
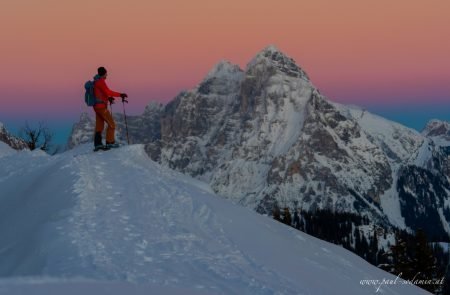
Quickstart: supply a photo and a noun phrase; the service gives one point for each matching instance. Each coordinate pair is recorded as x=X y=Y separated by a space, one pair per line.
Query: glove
x=124 y=96
x=111 y=100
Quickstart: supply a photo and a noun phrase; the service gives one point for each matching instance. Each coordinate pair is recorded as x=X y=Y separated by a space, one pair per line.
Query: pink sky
x=360 y=52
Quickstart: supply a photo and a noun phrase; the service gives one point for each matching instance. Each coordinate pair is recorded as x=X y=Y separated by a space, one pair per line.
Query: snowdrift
x=118 y=221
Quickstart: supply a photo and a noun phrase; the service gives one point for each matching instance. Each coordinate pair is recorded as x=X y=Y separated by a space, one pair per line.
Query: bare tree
x=38 y=136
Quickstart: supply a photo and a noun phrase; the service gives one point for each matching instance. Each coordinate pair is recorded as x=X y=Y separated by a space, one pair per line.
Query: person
x=102 y=115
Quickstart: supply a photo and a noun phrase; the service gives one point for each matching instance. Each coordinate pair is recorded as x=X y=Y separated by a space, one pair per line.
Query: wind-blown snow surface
x=5 y=149
x=117 y=217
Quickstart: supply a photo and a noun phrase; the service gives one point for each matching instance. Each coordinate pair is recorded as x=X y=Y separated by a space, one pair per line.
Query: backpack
x=89 y=96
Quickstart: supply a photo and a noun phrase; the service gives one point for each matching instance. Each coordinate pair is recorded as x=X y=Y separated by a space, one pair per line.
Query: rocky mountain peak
x=224 y=69
x=272 y=59
x=85 y=117
x=437 y=128
x=222 y=79
x=153 y=107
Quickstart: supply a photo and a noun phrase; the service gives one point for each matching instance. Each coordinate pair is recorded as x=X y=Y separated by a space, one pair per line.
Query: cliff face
x=11 y=140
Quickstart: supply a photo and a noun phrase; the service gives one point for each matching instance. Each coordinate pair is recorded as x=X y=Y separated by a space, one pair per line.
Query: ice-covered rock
x=11 y=140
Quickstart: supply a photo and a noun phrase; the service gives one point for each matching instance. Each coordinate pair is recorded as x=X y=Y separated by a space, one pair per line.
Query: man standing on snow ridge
x=102 y=115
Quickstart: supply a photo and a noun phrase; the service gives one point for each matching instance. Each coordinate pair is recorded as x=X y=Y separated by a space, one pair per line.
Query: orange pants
x=102 y=116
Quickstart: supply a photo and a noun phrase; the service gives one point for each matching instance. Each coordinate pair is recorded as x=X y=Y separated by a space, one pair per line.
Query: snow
x=390 y=203
x=5 y=150
x=271 y=56
x=444 y=245
x=225 y=70
x=269 y=49
x=424 y=154
x=440 y=141
x=118 y=221
x=399 y=139
x=284 y=127
x=436 y=127
x=438 y=131
x=444 y=220
x=52 y=286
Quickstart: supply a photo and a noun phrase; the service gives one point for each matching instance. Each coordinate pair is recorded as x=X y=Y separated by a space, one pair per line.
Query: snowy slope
x=118 y=217
x=396 y=140
x=5 y=149
x=52 y=286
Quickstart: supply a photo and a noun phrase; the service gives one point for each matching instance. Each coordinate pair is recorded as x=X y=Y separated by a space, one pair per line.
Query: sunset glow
x=359 y=52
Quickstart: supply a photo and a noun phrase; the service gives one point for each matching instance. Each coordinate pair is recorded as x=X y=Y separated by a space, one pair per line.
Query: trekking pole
x=125 y=116
x=111 y=101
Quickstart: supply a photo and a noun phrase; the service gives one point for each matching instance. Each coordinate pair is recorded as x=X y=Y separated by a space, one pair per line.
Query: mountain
x=439 y=131
x=265 y=137
x=115 y=222
x=11 y=140
x=437 y=128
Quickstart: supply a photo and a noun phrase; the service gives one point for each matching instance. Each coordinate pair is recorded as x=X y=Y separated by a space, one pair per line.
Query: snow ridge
x=117 y=216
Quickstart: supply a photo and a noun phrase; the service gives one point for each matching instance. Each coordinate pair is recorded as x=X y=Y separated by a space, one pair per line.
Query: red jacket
x=102 y=92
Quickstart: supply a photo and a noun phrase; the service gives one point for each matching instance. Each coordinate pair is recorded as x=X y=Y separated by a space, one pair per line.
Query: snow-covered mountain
x=11 y=140
x=265 y=136
x=437 y=128
x=96 y=222
x=439 y=131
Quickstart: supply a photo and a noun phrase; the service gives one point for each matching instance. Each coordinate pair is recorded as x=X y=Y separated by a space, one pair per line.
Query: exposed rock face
x=82 y=131
x=271 y=137
x=11 y=140
x=436 y=128
x=265 y=135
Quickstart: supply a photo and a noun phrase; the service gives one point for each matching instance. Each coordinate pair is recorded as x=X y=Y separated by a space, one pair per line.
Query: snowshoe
x=112 y=145
x=100 y=148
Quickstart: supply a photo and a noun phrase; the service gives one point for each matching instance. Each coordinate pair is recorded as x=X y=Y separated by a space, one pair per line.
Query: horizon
x=413 y=116
x=389 y=58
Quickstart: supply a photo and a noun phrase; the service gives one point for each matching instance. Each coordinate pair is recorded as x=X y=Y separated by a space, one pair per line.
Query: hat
x=101 y=71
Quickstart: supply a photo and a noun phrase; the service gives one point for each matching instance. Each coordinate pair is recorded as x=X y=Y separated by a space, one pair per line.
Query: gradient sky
x=392 y=57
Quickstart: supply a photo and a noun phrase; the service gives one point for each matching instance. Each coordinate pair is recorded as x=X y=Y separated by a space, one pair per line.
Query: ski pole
x=125 y=116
